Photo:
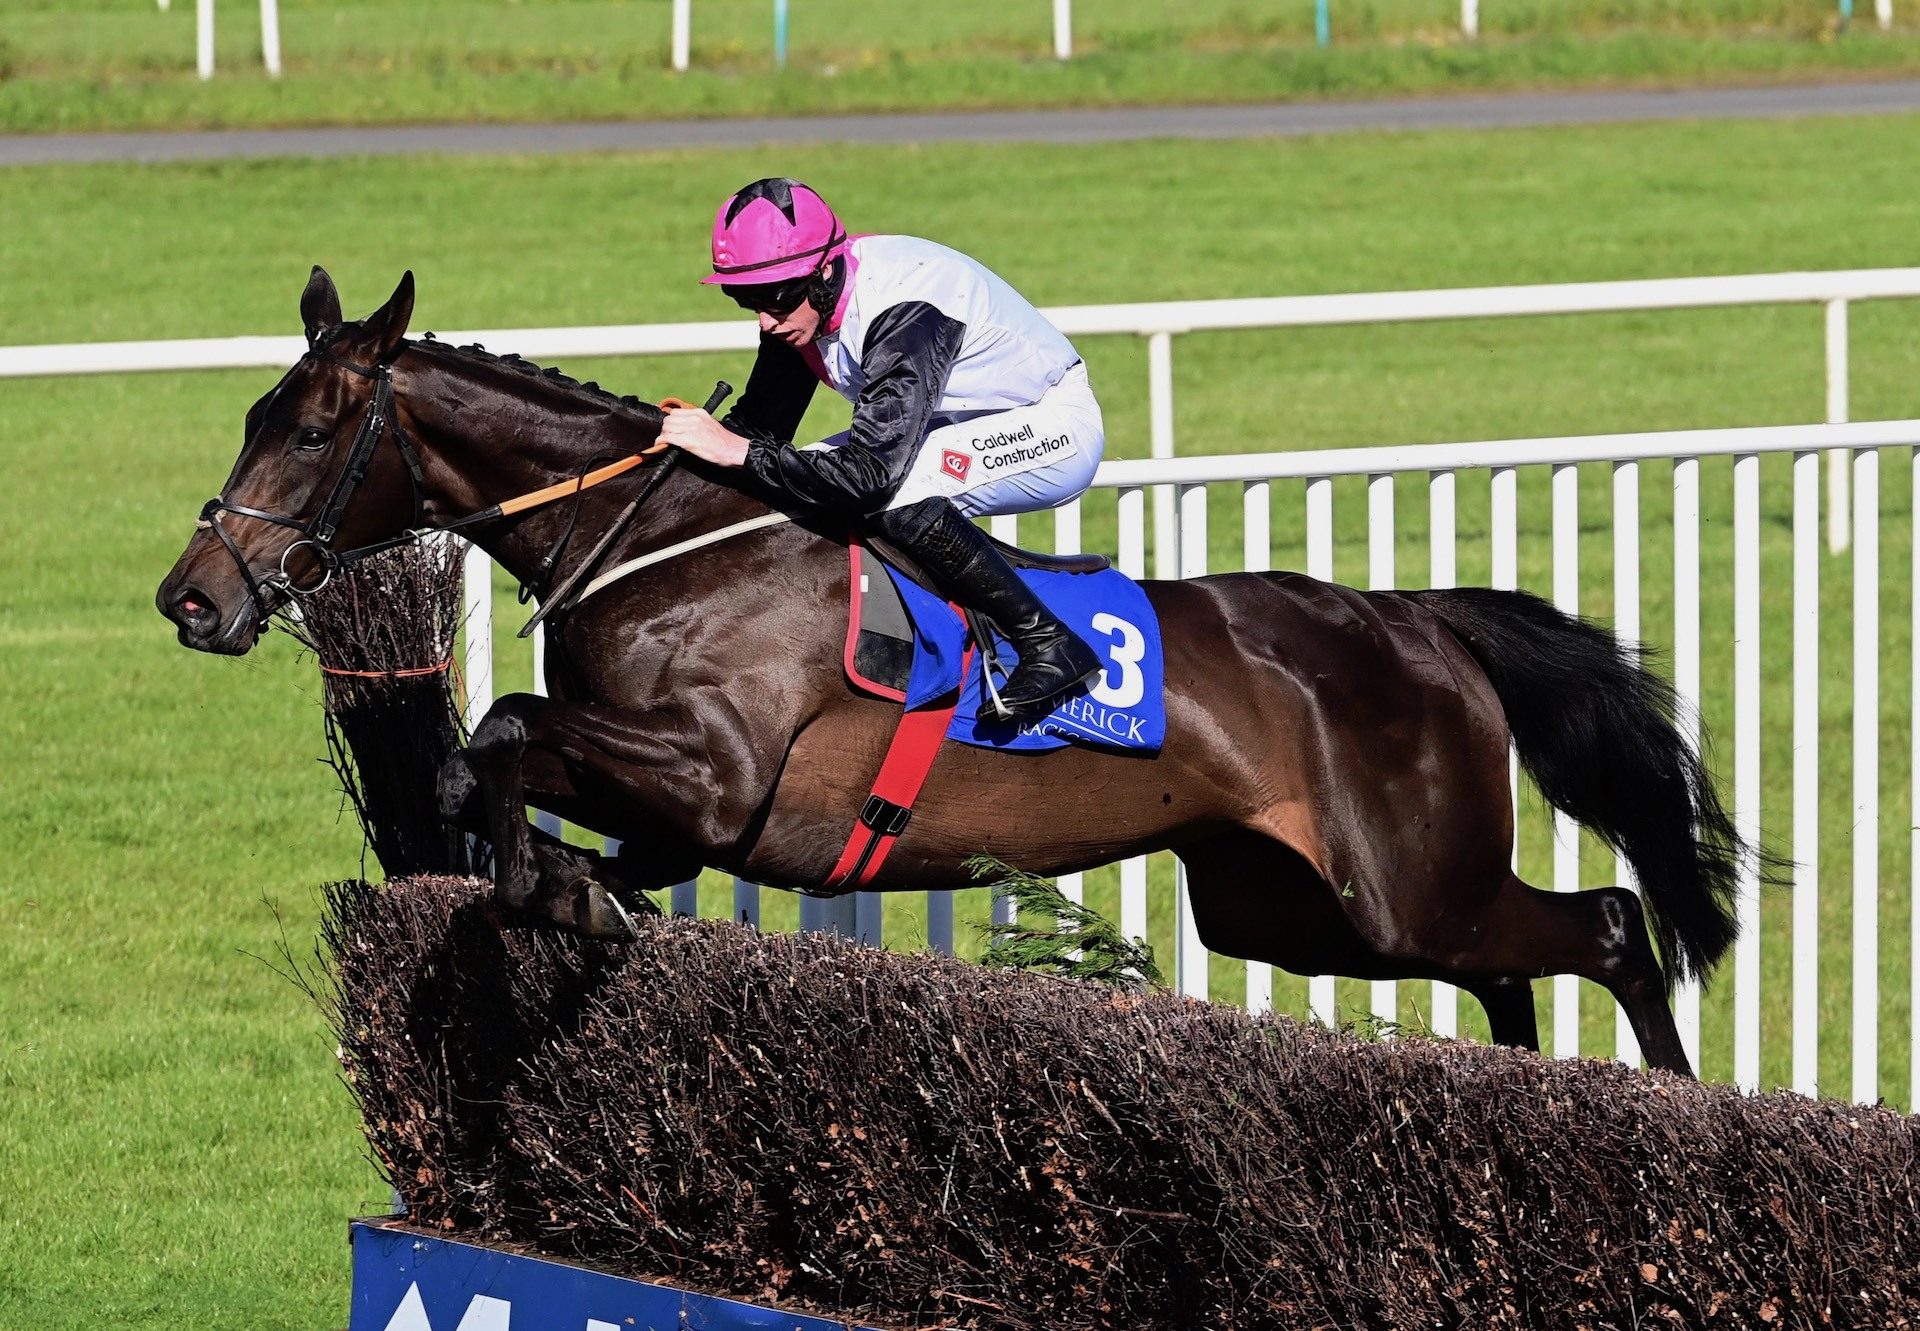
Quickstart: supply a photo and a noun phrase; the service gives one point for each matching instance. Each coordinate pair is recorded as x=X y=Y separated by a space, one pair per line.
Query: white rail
x=1157 y=321
x=1177 y=536
x=1441 y=467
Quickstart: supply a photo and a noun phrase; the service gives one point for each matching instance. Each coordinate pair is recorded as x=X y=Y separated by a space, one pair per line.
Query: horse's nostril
x=193 y=610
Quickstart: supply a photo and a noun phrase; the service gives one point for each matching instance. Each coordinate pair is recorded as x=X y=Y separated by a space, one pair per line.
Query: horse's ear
x=319 y=304
x=388 y=324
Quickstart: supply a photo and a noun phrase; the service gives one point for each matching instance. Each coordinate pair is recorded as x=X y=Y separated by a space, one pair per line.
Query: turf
x=174 y=1148
x=89 y=64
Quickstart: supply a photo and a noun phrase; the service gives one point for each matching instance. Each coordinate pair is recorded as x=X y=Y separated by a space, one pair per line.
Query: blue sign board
x=406 y=1280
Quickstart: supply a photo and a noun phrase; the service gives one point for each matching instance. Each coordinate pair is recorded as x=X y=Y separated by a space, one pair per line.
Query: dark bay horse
x=1335 y=769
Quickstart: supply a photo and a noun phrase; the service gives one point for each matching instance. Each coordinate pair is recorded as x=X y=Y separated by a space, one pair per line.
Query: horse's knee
x=458 y=788
x=501 y=733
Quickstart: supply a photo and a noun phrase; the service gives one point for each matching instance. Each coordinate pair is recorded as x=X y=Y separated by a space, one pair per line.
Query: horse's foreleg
x=532 y=877
x=652 y=855
x=694 y=779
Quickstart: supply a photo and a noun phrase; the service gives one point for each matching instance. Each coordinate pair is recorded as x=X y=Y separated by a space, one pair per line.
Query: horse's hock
x=915 y=1141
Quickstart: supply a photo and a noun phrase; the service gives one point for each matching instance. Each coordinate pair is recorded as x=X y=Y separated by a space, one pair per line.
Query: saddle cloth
x=906 y=644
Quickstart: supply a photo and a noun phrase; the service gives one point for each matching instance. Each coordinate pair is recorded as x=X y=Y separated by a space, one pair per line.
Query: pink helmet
x=771 y=231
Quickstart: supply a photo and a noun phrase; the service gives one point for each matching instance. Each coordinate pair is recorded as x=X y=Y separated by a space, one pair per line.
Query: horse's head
x=325 y=435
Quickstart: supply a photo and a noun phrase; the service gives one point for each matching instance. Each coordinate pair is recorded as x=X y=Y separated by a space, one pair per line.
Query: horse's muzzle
x=200 y=623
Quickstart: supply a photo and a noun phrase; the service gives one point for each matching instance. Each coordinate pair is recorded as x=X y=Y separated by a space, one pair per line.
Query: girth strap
x=889 y=808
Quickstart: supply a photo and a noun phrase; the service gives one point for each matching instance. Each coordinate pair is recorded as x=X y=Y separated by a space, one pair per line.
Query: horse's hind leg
x=1508 y=1000
x=1599 y=934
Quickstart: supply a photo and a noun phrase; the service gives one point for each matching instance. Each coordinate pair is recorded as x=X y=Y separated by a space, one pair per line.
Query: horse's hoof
x=599 y=914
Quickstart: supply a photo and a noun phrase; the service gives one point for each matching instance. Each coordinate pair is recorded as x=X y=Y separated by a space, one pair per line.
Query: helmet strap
x=823 y=293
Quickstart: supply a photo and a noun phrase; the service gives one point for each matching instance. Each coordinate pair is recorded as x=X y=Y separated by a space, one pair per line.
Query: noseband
x=318 y=532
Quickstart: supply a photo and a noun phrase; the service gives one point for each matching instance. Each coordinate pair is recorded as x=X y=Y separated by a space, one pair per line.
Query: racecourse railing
x=1157 y=321
x=1176 y=537
x=1440 y=467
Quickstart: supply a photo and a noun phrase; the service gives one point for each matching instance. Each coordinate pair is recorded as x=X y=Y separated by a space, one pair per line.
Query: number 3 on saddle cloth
x=907 y=644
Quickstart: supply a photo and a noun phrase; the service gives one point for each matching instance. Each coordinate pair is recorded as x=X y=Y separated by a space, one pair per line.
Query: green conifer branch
x=1082 y=945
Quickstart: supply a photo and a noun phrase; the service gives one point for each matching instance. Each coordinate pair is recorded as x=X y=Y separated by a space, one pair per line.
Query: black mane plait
x=623 y=403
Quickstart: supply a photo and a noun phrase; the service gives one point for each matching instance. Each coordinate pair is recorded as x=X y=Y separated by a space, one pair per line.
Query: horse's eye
x=310 y=439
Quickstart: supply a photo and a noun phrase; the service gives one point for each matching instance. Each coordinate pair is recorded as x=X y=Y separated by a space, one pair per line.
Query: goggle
x=781 y=298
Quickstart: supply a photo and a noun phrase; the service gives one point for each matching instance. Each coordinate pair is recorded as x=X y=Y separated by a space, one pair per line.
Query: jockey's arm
x=779 y=391
x=909 y=352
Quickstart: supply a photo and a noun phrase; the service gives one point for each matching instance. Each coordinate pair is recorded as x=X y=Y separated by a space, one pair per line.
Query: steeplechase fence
x=1695 y=499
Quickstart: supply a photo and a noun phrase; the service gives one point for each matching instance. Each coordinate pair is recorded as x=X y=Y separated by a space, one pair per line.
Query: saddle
x=879 y=648
x=908 y=644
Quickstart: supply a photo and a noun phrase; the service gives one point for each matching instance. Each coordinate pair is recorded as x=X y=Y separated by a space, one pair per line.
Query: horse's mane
x=622 y=403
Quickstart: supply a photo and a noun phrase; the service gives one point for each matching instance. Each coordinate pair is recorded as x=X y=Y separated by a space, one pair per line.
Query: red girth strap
x=902 y=772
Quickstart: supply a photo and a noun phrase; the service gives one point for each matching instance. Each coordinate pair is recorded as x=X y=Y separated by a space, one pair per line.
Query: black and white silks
x=922 y=333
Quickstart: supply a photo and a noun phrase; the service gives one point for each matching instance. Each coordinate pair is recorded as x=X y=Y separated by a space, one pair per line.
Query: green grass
x=173 y=1146
x=85 y=64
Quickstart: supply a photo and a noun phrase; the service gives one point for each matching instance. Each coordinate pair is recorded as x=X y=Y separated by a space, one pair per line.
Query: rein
x=380 y=420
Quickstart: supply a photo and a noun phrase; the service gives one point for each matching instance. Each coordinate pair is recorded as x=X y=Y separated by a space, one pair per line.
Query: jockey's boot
x=965 y=566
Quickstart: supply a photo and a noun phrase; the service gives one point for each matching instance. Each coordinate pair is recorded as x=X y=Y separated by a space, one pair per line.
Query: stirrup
x=982 y=632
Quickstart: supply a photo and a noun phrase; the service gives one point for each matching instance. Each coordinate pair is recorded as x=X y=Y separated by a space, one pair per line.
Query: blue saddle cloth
x=1123 y=709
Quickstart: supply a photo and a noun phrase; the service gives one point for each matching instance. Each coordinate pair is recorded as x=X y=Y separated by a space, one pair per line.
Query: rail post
x=1839 y=462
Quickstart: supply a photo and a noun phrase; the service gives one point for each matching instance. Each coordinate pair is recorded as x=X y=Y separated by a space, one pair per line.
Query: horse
x=1334 y=776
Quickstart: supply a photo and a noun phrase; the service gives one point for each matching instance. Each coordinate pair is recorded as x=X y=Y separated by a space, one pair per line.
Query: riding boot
x=965 y=566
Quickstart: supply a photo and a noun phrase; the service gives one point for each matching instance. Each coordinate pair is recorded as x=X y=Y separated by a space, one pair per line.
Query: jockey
x=965 y=402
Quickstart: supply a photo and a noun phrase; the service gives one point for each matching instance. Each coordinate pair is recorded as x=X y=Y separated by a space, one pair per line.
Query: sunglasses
x=779 y=298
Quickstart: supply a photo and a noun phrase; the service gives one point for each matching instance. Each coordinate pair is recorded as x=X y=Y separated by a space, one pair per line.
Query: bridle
x=318 y=532
x=380 y=420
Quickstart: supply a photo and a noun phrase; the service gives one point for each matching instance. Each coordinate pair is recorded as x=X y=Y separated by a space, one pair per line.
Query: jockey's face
x=784 y=307
x=796 y=327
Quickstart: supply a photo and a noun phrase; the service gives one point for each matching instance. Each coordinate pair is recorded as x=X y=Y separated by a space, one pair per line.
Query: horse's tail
x=1594 y=729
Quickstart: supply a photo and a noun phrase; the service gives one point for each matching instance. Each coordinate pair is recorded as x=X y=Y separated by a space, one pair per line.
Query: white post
x=1503 y=509
x=203 y=37
x=1806 y=773
x=940 y=922
x=1566 y=832
x=1160 y=436
x=1469 y=19
x=1746 y=767
x=1384 y=995
x=476 y=615
x=270 y=36
x=1190 y=957
x=1063 y=29
x=1866 y=775
x=829 y=915
x=1256 y=556
x=682 y=30
x=1837 y=478
x=685 y=898
x=1323 y=998
x=1442 y=571
x=1883 y=11
x=868 y=915
x=1626 y=627
x=545 y=821
x=1131 y=514
x=746 y=902
x=165 y=5
x=1686 y=682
